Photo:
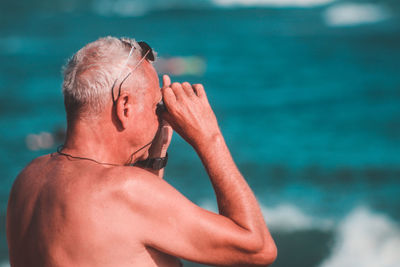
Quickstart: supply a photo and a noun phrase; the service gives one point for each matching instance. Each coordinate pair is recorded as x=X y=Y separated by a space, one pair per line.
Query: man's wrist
x=209 y=143
x=156 y=163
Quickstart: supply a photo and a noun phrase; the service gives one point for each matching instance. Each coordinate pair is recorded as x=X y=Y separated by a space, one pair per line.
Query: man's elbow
x=257 y=250
x=266 y=255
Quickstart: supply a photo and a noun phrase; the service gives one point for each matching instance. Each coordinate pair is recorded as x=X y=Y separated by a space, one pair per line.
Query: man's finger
x=188 y=89
x=178 y=91
x=168 y=96
x=165 y=123
x=199 y=89
x=168 y=118
x=166 y=133
x=166 y=81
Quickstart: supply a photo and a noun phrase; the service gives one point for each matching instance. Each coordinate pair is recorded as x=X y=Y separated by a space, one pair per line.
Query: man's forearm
x=235 y=198
x=247 y=237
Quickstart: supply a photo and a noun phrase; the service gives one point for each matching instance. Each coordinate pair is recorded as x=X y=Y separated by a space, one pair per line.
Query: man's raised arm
x=191 y=116
x=165 y=220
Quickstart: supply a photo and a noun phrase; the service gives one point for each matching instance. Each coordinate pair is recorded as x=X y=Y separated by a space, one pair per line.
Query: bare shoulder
x=25 y=191
x=146 y=195
x=35 y=163
x=31 y=171
x=136 y=184
x=134 y=198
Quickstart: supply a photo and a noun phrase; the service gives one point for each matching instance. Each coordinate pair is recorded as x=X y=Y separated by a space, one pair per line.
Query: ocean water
x=307 y=94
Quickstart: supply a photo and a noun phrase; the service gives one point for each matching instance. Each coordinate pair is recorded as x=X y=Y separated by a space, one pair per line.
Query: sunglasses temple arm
x=140 y=61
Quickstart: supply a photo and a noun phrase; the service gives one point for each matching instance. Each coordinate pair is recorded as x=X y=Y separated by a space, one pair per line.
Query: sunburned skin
x=79 y=220
x=69 y=211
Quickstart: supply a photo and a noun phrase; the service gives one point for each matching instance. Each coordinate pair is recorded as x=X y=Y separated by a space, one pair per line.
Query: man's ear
x=124 y=109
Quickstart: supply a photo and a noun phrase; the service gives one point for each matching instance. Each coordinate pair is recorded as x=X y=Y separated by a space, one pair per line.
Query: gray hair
x=91 y=72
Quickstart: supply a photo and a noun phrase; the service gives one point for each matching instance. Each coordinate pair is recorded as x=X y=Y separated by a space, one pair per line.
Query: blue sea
x=306 y=92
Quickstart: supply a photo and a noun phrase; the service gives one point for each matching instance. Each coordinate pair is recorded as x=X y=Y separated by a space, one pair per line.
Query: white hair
x=91 y=72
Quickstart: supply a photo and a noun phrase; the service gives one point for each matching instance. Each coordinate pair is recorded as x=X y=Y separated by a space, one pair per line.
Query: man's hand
x=162 y=140
x=189 y=112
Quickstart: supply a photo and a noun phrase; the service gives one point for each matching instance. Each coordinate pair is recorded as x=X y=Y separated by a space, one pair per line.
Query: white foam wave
x=272 y=3
x=351 y=14
x=365 y=239
x=285 y=218
x=136 y=8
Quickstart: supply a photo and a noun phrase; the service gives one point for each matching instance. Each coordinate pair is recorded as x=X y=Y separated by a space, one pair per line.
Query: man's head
x=90 y=74
x=112 y=82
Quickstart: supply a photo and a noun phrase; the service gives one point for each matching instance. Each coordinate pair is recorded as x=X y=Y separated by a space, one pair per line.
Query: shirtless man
x=87 y=206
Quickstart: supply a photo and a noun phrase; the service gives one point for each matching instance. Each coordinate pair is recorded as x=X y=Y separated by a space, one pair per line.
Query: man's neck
x=98 y=141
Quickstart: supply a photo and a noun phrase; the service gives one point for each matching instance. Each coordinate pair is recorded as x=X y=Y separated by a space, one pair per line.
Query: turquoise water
x=309 y=107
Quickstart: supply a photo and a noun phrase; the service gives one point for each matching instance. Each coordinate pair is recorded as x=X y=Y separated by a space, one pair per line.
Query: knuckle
x=188 y=88
x=176 y=85
x=167 y=93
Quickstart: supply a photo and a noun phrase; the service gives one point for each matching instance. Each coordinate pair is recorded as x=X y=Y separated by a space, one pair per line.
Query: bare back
x=69 y=213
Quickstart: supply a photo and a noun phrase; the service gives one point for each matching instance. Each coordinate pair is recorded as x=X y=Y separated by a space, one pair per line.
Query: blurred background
x=306 y=93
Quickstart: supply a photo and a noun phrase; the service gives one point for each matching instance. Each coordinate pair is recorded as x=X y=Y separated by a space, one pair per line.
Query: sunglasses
x=148 y=54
